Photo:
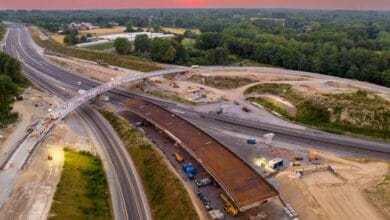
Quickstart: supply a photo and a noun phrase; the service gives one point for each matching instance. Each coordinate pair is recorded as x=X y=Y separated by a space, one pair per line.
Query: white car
x=79 y=83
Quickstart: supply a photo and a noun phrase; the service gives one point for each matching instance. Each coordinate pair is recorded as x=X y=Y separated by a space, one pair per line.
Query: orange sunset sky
x=113 y=4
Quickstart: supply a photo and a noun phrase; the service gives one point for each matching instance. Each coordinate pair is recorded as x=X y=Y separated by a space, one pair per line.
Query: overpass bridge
x=21 y=155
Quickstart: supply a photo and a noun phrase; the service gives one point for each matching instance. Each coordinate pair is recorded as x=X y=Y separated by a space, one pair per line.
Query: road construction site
x=314 y=178
x=208 y=192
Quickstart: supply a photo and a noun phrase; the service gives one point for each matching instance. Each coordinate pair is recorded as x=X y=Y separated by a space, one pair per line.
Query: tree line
x=351 y=44
x=10 y=80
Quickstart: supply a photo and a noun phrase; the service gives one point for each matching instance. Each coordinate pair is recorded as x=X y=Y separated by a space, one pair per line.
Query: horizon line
x=189 y=8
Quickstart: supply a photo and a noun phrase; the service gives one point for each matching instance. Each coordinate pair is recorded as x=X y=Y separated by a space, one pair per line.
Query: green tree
x=162 y=50
x=7 y=91
x=142 y=43
x=208 y=41
x=129 y=27
x=71 y=39
x=122 y=45
x=218 y=56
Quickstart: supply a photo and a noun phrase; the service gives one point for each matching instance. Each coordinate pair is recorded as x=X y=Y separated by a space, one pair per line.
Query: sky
x=114 y=4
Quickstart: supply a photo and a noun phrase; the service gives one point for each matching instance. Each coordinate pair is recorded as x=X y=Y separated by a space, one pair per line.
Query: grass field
x=125 y=61
x=180 y=30
x=166 y=195
x=82 y=192
x=57 y=38
x=188 y=42
x=104 y=31
x=100 y=47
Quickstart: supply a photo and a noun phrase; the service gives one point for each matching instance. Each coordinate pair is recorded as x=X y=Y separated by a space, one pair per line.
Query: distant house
x=82 y=26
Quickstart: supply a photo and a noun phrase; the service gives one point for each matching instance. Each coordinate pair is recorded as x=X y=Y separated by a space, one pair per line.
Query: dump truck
x=229 y=208
x=178 y=157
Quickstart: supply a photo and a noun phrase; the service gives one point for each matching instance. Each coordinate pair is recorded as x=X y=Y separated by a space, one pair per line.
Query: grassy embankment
x=125 y=61
x=82 y=192
x=357 y=113
x=166 y=195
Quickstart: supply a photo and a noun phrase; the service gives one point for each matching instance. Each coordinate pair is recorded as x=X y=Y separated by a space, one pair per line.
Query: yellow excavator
x=229 y=208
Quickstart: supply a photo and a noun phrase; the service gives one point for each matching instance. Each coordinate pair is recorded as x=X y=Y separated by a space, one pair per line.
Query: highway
x=129 y=201
x=308 y=137
x=55 y=80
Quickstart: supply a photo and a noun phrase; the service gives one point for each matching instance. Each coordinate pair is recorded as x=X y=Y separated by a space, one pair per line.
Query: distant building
x=307 y=28
x=82 y=26
x=128 y=36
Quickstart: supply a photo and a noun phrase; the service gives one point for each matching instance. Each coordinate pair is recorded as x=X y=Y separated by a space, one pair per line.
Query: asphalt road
x=128 y=197
x=308 y=137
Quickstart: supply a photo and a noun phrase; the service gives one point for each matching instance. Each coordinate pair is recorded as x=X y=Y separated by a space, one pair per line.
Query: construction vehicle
x=203 y=182
x=296 y=158
x=229 y=208
x=312 y=156
x=49 y=156
x=178 y=157
x=189 y=170
x=276 y=163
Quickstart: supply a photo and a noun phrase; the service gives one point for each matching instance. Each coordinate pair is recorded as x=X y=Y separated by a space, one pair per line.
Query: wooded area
x=351 y=44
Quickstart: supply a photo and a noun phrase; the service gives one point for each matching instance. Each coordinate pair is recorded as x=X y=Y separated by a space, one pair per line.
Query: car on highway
x=79 y=83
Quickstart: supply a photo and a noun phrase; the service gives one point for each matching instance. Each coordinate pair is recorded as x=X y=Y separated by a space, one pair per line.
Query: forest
x=350 y=44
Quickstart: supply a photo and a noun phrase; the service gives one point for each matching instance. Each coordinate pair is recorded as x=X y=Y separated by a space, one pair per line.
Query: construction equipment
x=276 y=163
x=296 y=157
x=49 y=156
x=229 y=208
x=189 y=170
x=178 y=157
x=203 y=182
x=312 y=156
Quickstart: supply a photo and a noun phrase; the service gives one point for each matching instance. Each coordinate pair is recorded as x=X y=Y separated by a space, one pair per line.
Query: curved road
x=127 y=193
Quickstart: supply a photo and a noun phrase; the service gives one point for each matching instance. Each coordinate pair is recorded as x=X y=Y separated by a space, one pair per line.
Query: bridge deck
x=243 y=185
